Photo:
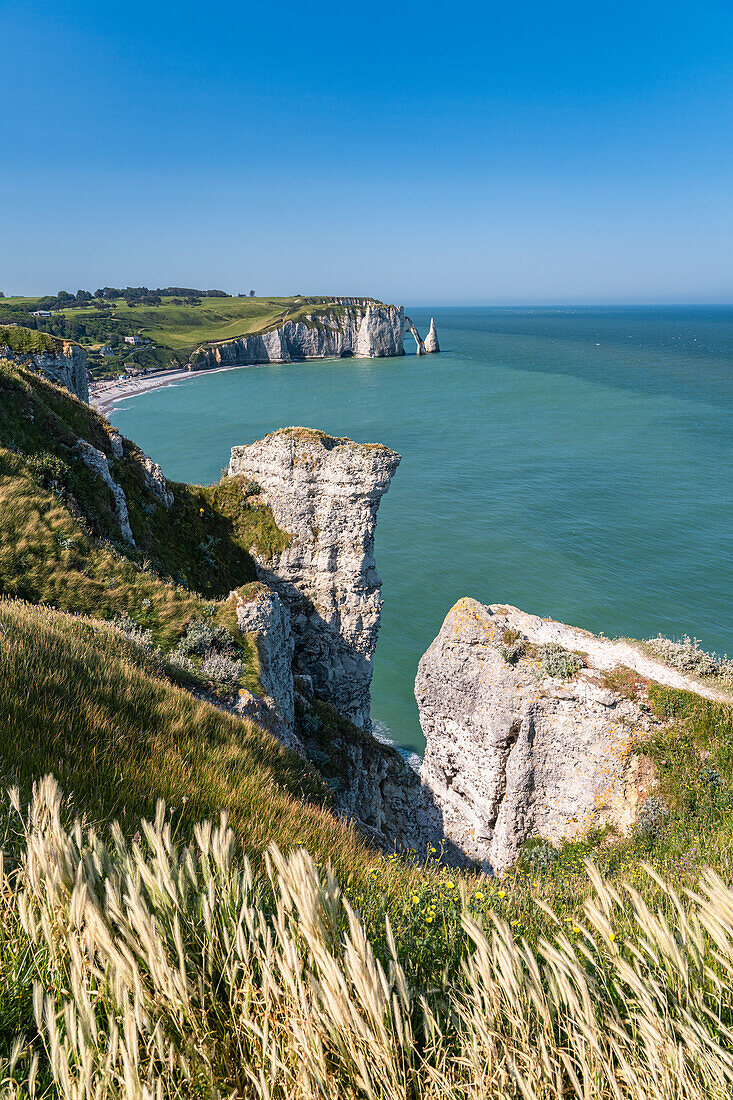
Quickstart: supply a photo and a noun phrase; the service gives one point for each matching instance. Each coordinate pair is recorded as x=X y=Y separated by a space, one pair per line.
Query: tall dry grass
x=161 y=970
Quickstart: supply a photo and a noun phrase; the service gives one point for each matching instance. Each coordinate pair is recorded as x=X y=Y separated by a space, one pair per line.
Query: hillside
x=175 y=326
x=60 y=538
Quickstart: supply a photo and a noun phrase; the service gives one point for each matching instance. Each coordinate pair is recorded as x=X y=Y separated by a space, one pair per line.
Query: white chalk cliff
x=365 y=330
x=324 y=493
x=526 y=735
x=66 y=367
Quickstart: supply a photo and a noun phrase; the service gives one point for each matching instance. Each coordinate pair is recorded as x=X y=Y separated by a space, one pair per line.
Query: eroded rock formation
x=373 y=784
x=418 y=338
x=369 y=330
x=431 y=340
x=262 y=614
x=155 y=481
x=325 y=492
x=67 y=367
x=524 y=735
x=97 y=461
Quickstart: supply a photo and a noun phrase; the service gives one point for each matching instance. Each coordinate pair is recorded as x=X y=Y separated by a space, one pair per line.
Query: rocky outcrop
x=325 y=492
x=97 y=460
x=418 y=339
x=525 y=737
x=262 y=615
x=117 y=445
x=66 y=367
x=372 y=783
x=431 y=340
x=368 y=330
x=155 y=481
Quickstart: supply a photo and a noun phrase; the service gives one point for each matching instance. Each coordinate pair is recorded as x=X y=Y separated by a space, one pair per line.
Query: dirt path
x=605 y=654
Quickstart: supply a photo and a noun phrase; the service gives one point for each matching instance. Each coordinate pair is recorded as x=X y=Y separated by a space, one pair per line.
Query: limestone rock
x=115 y=442
x=513 y=753
x=96 y=460
x=155 y=481
x=67 y=368
x=409 y=325
x=325 y=492
x=367 y=330
x=373 y=784
x=431 y=340
x=262 y=614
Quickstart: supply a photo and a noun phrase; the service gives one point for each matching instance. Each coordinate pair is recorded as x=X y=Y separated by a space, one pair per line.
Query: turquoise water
x=575 y=463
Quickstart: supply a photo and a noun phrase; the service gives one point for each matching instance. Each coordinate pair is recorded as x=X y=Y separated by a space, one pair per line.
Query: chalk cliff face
x=67 y=368
x=262 y=614
x=367 y=331
x=325 y=492
x=524 y=738
x=97 y=461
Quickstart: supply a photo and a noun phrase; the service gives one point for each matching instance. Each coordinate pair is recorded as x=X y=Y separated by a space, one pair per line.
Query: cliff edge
x=531 y=726
x=59 y=361
x=325 y=492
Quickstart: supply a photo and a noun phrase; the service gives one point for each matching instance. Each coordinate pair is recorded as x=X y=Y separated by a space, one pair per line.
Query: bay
x=577 y=463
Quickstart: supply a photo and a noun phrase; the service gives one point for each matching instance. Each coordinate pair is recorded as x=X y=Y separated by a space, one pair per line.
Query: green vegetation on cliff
x=26 y=341
x=60 y=540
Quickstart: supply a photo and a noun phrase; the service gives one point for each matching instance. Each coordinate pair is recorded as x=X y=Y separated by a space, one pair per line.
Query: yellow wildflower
x=502 y=893
x=479 y=896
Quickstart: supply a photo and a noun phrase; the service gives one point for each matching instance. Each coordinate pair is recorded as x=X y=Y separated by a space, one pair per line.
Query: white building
x=41 y=313
x=134 y=340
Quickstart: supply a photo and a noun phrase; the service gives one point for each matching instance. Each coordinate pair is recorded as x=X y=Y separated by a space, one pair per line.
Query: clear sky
x=423 y=153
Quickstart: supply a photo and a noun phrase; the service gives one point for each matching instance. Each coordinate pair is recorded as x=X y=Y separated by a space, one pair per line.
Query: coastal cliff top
x=170 y=323
x=507 y=625
x=328 y=442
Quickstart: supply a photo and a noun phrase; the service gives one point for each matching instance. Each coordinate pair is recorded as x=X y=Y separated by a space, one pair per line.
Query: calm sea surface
x=577 y=463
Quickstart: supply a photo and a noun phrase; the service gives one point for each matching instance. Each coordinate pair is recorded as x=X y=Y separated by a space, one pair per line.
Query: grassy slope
x=83 y=702
x=181 y=328
x=63 y=547
x=25 y=340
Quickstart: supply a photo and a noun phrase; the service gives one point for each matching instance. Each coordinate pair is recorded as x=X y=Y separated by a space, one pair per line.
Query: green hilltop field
x=175 y=325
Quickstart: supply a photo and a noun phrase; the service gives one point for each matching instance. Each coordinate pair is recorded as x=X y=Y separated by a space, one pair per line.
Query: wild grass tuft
x=161 y=969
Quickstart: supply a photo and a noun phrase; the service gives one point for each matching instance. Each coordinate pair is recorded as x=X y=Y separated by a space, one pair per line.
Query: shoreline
x=104 y=396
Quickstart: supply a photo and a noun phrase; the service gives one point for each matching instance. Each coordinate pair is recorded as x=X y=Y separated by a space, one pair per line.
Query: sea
x=574 y=462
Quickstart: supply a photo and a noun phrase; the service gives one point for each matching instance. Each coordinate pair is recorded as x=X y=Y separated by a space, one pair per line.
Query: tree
x=251 y=293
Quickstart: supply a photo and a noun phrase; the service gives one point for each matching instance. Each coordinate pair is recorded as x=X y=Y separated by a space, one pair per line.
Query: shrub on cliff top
x=204 y=638
x=688 y=655
x=559 y=662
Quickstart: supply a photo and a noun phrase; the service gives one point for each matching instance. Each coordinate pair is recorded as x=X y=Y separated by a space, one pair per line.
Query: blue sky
x=423 y=153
